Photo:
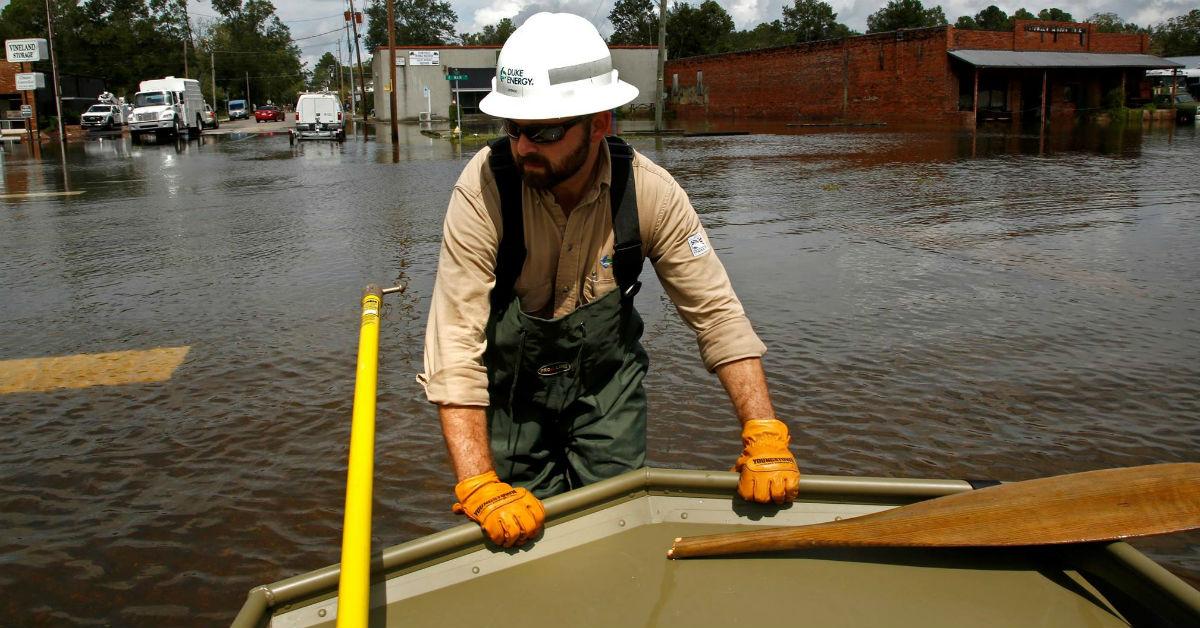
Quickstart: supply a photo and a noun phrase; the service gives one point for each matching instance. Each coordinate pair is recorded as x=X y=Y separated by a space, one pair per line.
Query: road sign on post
x=29 y=81
x=456 y=77
x=27 y=50
x=26 y=111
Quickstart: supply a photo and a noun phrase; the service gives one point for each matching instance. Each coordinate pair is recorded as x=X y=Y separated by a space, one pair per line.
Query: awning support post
x=975 y=98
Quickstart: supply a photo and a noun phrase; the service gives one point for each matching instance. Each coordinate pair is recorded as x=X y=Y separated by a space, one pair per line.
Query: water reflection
x=941 y=304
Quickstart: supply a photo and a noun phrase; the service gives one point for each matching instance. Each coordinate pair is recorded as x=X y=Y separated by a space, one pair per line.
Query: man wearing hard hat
x=532 y=348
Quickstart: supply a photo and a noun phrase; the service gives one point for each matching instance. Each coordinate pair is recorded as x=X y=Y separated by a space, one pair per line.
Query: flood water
x=935 y=303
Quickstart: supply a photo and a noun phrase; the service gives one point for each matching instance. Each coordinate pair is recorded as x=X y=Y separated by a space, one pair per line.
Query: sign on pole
x=26 y=111
x=29 y=81
x=27 y=50
x=456 y=77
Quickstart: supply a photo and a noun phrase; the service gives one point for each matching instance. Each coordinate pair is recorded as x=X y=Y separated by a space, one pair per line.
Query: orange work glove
x=509 y=516
x=769 y=472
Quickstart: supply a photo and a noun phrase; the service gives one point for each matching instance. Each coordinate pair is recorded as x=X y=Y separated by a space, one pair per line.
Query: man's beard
x=552 y=176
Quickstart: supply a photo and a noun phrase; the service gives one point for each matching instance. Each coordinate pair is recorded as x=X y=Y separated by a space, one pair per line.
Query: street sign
x=462 y=77
x=29 y=81
x=424 y=57
x=27 y=50
x=26 y=111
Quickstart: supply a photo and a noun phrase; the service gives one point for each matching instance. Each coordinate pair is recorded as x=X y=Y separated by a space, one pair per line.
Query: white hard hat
x=555 y=65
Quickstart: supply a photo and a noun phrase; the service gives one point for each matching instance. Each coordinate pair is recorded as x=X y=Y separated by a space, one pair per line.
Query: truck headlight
x=167 y=115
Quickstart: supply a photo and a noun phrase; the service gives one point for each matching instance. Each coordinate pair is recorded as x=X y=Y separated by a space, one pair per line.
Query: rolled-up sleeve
x=692 y=275
x=454 y=335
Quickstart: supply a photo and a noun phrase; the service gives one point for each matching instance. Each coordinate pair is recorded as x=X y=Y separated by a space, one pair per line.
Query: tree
x=249 y=42
x=904 y=14
x=1112 y=23
x=1178 y=36
x=1054 y=14
x=966 y=22
x=325 y=74
x=693 y=31
x=993 y=18
x=1022 y=14
x=812 y=20
x=491 y=35
x=765 y=35
x=418 y=23
x=634 y=22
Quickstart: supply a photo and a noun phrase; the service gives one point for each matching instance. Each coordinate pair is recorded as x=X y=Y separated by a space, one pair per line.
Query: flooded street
x=935 y=304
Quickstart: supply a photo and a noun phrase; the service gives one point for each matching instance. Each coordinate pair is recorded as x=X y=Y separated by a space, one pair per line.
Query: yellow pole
x=354 y=588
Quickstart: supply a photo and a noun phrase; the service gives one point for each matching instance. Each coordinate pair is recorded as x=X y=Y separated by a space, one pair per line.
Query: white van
x=319 y=116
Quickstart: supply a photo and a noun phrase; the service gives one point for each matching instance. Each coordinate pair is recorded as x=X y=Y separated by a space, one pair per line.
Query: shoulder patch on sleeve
x=699 y=246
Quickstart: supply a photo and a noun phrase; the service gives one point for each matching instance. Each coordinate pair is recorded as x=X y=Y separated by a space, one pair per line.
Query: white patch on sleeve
x=699 y=246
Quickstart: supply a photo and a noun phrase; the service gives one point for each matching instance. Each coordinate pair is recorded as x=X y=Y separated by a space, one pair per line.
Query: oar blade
x=1103 y=505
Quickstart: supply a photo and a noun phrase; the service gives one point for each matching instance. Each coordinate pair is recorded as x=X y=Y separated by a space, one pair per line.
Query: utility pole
x=248 y=89
x=350 y=53
x=662 y=61
x=362 y=81
x=212 y=59
x=341 y=78
x=392 y=70
x=62 y=138
x=187 y=34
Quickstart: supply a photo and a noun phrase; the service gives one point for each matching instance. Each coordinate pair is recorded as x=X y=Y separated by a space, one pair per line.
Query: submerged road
x=179 y=327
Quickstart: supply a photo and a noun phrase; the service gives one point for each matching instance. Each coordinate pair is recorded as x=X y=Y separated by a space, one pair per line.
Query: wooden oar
x=1104 y=505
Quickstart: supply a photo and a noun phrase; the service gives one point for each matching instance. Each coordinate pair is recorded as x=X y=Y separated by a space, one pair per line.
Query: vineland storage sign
x=26 y=50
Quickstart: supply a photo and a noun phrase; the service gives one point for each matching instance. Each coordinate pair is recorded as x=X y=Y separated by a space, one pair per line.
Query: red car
x=267 y=113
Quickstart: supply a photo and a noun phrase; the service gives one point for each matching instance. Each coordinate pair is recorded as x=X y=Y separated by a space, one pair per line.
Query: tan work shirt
x=569 y=264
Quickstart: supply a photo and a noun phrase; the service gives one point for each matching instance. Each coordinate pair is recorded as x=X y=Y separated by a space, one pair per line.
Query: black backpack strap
x=627 y=235
x=510 y=257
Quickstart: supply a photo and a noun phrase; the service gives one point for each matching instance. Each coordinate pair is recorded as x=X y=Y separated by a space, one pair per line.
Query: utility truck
x=167 y=107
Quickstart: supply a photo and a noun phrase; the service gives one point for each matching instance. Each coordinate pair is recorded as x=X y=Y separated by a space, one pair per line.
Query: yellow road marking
x=90 y=369
x=13 y=197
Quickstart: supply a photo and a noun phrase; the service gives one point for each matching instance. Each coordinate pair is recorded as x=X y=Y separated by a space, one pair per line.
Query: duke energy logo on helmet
x=509 y=79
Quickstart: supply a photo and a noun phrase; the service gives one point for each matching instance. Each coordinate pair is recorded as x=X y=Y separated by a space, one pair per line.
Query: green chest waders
x=567 y=403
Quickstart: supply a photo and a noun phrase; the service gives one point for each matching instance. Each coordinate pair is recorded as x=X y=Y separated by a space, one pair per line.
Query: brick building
x=942 y=74
x=11 y=99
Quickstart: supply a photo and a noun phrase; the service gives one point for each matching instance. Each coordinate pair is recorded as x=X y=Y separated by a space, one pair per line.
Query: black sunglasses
x=540 y=133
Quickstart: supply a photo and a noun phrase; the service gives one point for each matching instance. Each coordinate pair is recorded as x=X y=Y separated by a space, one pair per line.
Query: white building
x=426 y=67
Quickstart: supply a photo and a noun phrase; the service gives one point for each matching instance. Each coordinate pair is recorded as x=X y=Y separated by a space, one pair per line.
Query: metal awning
x=1050 y=60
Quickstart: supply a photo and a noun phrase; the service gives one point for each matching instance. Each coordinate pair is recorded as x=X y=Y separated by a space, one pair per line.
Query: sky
x=308 y=19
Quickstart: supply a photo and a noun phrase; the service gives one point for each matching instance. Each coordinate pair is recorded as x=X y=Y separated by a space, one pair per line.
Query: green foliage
x=634 y=22
x=1178 y=36
x=325 y=75
x=693 y=31
x=812 y=20
x=418 y=23
x=1022 y=14
x=966 y=22
x=493 y=35
x=1112 y=23
x=1114 y=99
x=765 y=35
x=904 y=14
x=1054 y=14
x=250 y=41
x=105 y=39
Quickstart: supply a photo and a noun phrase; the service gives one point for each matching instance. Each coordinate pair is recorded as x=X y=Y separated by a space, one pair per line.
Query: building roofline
x=494 y=47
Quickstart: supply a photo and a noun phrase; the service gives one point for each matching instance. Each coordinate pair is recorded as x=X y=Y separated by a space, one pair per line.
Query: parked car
x=268 y=113
x=210 y=118
x=237 y=110
x=1185 y=106
x=101 y=117
x=319 y=116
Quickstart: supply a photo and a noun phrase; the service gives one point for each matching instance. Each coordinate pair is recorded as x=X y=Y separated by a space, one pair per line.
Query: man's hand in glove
x=769 y=472
x=509 y=516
